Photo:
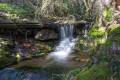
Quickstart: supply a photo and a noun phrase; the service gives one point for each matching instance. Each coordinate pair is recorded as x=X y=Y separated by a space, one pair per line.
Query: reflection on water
x=30 y=73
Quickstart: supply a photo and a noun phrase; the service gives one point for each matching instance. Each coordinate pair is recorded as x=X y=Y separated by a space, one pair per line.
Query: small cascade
x=62 y=32
x=66 y=31
x=66 y=45
x=86 y=29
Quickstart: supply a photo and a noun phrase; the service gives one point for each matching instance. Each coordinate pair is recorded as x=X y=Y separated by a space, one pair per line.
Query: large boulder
x=46 y=34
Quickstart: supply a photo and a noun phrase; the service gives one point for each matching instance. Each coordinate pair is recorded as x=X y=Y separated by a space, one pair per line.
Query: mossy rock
x=6 y=44
x=6 y=59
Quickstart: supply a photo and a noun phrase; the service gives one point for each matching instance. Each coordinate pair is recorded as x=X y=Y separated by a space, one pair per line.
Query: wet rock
x=46 y=34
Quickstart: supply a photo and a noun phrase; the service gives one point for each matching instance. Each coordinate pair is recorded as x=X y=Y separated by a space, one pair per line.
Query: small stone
x=76 y=58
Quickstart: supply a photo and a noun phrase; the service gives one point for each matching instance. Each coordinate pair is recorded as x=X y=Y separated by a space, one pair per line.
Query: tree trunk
x=117 y=4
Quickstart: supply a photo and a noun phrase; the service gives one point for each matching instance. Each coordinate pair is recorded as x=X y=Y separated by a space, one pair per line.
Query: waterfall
x=62 y=32
x=66 y=31
x=66 y=44
x=86 y=30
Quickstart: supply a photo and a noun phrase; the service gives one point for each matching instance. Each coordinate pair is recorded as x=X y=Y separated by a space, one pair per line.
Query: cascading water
x=66 y=32
x=66 y=45
x=86 y=29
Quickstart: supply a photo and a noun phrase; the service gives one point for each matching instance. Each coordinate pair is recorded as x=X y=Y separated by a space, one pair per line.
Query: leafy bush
x=108 y=15
x=65 y=10
x=113 y=36
x=13 y=10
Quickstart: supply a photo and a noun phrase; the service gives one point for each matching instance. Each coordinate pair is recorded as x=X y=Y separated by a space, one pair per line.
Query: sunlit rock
x=46 y=34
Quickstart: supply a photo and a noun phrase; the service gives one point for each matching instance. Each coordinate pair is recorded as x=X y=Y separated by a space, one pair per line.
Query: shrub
x=108 y=15
x=13 y=10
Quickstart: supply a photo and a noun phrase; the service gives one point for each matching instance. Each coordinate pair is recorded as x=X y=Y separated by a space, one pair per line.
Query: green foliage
x=67 y=10
x=6 y=44
x=96 y=32
x=12 y=16
x=47 y=10
x=113 y=36
x=81 y=43
x=96 y=72
x=72 y=73
x=61 y=9
x=108 y=15
x=94 y=40
x=52 y=19
x=13 y=10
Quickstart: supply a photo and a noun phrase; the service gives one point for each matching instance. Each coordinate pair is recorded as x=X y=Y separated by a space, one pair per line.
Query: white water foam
x=66 y=45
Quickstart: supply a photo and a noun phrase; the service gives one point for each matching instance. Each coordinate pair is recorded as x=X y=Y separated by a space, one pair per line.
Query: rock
x=46 y=34
x=76 y=59
x=119 y=48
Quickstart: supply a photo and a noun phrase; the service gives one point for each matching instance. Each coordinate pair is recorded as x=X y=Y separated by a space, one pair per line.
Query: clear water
x=31 y=73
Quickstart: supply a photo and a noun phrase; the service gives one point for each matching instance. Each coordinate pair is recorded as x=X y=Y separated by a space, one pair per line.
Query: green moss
x=95 y=38
x=6 y=59
x=96 y=72
x=113 y=36
x=101 y=40
x=96 y=32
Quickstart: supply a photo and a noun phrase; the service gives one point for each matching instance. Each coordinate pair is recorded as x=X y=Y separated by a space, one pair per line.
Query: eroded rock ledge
x=37 y=30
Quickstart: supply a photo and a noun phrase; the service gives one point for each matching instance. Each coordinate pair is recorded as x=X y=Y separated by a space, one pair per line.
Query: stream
x=50 y=67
